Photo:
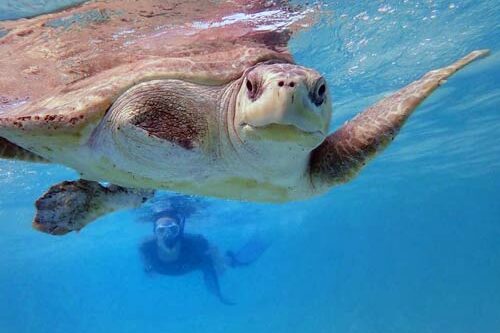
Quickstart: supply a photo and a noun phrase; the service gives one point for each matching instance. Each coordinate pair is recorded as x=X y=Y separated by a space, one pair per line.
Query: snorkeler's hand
x=148 y=269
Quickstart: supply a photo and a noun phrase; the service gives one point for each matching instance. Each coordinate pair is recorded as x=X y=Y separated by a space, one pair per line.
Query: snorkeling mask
x=168 y=229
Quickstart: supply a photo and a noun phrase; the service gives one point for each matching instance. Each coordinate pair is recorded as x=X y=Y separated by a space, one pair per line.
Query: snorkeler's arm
x=346 y=151
x=146 y=254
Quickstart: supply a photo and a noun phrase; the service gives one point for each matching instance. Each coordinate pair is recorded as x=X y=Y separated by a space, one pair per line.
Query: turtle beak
x=298 y=102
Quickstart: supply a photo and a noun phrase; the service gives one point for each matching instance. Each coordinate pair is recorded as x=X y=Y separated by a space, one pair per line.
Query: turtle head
x=285 y=104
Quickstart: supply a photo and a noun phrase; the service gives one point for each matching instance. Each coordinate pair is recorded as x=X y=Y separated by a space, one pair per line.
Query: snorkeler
x=171 y=251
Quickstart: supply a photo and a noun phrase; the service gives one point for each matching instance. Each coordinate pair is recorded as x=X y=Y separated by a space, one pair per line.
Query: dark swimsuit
x=194 y=255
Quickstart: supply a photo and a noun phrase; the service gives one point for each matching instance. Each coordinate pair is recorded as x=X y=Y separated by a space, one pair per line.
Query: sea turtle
x=196 y=97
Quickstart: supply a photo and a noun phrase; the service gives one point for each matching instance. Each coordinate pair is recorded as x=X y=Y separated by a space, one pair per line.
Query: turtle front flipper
x=11 y=151
x=71 y=205
x=347 y=150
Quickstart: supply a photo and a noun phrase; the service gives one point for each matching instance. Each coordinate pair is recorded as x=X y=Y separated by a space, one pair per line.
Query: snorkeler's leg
x=212 y=283
x=71 y=205
x=248 y=253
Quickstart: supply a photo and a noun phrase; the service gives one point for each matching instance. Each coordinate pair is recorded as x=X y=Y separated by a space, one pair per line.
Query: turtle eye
x=253 y=86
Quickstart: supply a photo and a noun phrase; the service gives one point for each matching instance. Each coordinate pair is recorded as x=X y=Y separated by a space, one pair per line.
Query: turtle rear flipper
x=71 y=205
x=11 y=151
x=347 y=150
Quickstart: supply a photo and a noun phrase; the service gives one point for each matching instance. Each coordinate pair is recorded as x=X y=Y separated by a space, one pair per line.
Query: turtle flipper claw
x=71 y=205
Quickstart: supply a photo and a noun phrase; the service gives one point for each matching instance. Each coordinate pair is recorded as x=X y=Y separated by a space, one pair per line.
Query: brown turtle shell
x=63 y=70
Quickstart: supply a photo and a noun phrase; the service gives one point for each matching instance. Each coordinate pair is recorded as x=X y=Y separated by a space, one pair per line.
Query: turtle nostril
x=292 y=84
x=281 y=83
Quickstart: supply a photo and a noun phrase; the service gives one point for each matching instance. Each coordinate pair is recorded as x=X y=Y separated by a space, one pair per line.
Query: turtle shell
x=63 y=70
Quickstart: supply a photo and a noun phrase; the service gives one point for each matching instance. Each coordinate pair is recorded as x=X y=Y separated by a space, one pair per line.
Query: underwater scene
x=262 y=220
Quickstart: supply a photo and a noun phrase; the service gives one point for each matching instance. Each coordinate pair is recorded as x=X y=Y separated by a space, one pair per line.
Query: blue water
x=411 y=245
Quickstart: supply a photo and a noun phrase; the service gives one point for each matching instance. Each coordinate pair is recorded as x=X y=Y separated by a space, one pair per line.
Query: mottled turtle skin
x=196 y=97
